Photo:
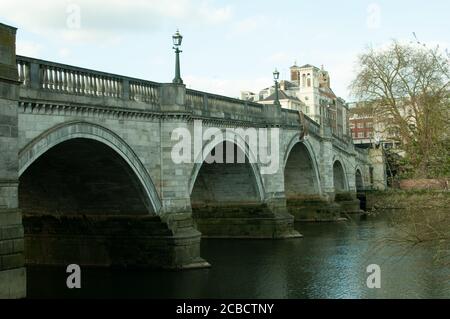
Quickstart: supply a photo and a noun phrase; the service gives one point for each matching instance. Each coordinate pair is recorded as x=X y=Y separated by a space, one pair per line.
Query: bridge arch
x=340 y=181
x=359 y=180
x=241 y=144
x=92 y=132
x=300 y=168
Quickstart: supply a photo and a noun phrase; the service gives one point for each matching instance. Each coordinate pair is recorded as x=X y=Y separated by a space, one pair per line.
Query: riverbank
x=416 y=217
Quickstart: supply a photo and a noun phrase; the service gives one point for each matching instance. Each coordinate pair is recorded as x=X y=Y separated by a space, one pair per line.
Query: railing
x=67 y=80
x=144 y=91
x=23 y=70
x=195 y=99
x=223 y=104
x=340 y=141
x=313 y=126
x=61 y=78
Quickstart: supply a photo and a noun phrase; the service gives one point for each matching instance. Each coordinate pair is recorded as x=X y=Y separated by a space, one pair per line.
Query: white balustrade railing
x=54 y=77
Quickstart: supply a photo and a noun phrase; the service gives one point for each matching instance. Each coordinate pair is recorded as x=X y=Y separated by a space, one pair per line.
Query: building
x=367 y=129
x=308 y=90
x=286 y=101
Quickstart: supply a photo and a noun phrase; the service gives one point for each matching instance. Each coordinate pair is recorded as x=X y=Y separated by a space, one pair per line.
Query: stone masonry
x=12 y=271
x=87 y=156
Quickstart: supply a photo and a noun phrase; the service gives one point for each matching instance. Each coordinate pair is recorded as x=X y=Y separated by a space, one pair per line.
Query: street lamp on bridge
x=276 y=76
x=177 y=38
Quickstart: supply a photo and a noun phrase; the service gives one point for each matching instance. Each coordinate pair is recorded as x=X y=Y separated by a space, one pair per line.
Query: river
x=329 y=262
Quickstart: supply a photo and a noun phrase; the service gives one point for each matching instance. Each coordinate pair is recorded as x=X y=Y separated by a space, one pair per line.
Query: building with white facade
x=308 y=90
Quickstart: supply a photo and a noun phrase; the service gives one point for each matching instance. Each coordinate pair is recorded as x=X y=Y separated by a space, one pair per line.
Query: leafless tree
x=406 y=87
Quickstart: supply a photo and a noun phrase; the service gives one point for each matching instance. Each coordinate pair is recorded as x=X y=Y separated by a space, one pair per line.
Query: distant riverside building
x=367 y=129
x=309 y=91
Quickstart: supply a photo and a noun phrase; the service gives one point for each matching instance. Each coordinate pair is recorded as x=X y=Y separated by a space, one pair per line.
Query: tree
x=406 y=87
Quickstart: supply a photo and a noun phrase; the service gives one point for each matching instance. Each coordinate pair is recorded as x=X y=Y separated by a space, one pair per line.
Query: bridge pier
x=139 y=241
x=244 y=220
x=12 y=271
x=348 y=203
x=311 y=208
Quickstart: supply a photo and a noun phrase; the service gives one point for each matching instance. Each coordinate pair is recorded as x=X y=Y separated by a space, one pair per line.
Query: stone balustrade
x=36 y=75
x=59 y=78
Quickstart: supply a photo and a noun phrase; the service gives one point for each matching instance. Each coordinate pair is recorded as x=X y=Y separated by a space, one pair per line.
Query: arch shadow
x=339 y=168
x=80 y=129
x=239 y=142
x=311 y=155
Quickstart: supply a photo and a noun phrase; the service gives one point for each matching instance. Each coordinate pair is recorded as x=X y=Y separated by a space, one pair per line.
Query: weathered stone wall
x=225 y=183
x=12 y=272
x=378 y=162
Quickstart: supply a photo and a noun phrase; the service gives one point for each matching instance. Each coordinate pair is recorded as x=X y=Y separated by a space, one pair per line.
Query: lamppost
x=276 y=75
x=177 y=38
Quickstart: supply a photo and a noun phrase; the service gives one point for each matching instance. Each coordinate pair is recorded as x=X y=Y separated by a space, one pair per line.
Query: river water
x=329 y=262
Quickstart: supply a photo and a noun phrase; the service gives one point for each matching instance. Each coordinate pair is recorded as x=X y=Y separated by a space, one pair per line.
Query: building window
x=369 y=124
x=352 y=125
x=360 y=125
x=360 y=134
x=304 y=80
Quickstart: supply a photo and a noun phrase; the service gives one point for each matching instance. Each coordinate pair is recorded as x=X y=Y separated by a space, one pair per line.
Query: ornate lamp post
x=177 y=38
x=276 y=75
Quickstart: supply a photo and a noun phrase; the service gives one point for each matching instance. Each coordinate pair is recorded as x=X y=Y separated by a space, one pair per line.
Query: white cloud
x=249 y=24
x=227 y=87
x=28 y=48
x=373 y=16
x=280 y=57
x=64 y=52
x=86 y=20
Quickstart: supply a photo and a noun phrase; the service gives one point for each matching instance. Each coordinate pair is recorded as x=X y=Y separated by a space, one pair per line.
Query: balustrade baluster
x=78 y=83
x=108 y=87
x=43 y=76
x=115 y=91
x=64 y=80
x=20 y=71
x=103 y=86
x=144 y=92
x=69 y=81
x=88 y=84
x=94 y=85
x=59 y=86
x=52 y=78
x=83 y=83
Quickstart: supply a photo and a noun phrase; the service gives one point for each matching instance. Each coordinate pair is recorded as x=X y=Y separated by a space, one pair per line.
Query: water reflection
x=329 y=262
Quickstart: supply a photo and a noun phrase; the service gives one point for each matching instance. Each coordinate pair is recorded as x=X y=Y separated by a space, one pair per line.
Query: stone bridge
x=87 y=174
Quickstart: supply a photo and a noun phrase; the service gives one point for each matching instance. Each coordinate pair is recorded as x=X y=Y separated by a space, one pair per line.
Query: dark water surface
x=329 y=262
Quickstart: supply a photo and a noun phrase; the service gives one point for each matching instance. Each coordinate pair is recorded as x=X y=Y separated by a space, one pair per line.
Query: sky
x=228 y=46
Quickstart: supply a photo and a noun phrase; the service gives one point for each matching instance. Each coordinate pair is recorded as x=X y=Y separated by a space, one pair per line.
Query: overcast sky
x=228 y=46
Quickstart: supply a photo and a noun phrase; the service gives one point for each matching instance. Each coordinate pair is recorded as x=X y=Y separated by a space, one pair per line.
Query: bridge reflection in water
x=329 y=262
